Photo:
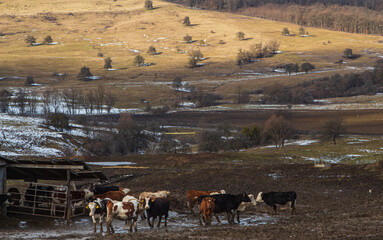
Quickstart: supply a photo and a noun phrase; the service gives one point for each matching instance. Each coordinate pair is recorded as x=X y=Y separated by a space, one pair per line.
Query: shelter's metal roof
x=54 y=169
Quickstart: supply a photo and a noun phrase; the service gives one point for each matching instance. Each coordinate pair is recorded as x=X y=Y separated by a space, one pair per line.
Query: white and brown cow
x=125 y=211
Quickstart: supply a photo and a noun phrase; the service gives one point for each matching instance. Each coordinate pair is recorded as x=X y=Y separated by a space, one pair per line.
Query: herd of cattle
x=156 y=204
x=106 y=203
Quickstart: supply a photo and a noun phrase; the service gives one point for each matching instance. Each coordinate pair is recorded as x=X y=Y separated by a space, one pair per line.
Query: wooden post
x=68 y=203
x=3 y=183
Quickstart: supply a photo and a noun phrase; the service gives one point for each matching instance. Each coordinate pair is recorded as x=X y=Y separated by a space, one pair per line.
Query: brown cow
x=192 y=196
x=114 y=195
x=206 y=210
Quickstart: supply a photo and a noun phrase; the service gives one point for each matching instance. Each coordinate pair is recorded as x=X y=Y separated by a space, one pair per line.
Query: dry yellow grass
x=84 y=28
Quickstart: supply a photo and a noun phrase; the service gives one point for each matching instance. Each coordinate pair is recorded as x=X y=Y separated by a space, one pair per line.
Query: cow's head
x=8 y=199
x=93 y=206
x=147 y=202
x=259 y=197
x=126 y=190
x=88 y=195
x=245 y=197
x=251 y=196
x=164 y=193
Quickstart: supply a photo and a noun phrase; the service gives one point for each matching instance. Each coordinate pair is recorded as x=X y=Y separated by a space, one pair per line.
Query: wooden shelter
x=38 y=194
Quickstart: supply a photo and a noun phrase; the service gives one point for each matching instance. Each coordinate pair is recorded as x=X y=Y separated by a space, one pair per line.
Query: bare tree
x=5 y=99
x=107 y=63
x=333 y=129
x=240 y=35
x=30 y=40
x=209 y=141
x=100 y=97
x=55 y=99
x=138 y=60
x=46 y=99
x=130 y=137
x=20 y=101
x=90 y=101
x=70 y=98
x=149 y=4
x=177 y=83
x=32 y=102
x=279 y=129
x=110 y=100
x=81 y=100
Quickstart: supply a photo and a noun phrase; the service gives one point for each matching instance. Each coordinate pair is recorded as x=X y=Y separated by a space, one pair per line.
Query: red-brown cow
x=114 y=195
x=206 y=210
x=192 y=196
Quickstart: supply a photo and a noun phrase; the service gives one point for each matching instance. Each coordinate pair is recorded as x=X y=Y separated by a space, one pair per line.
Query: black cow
x=15 y=196
x=156 y=207
x=226 y=203
x=43 y=195
x=103 y=189
x=5 y=199
x=97 y=209
x=274 y=198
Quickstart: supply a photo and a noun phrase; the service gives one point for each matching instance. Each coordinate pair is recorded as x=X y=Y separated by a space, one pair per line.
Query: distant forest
x=355 y=16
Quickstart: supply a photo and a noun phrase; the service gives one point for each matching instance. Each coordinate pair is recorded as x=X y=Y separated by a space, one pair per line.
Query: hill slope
x=122 y=29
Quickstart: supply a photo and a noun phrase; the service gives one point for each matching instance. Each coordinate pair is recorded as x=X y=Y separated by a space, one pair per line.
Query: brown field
x=85 y=28
x=356 y=121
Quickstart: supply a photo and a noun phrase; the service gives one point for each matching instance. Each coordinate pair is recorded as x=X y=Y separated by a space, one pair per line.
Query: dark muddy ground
x=333 y=203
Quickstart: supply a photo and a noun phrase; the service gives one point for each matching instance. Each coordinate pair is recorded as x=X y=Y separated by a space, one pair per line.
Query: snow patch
x=110 y=163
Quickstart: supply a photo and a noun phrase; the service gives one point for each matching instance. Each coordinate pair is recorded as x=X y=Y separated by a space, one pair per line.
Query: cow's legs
x=206 y=219
x=191 y=206
x=109 y=227
x=275 y=208
x=101 y=225
x=149 y=222
x=166 y=220
x=142 y=214
x=135 y=223
x=216 y=216
x=199 y=217
x=130 y=225
x=237 y=217
x=229 y=217
x=94 y=224
x=159 y=220
x=292 y=206
x=154 y=218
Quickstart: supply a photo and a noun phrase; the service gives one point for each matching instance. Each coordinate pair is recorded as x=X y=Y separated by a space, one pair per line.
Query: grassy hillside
x=118 y=29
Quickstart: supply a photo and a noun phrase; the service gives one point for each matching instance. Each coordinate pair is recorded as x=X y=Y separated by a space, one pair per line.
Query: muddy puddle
x=82 y=228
